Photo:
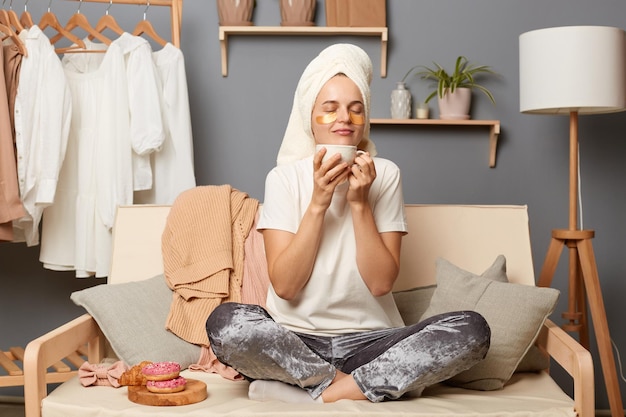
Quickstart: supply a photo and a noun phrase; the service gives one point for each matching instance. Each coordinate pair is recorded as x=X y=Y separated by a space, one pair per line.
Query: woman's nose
x=343 y=115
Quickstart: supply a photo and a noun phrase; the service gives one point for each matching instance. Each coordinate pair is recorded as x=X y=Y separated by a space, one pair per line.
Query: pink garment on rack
x=12 y=63
x=11 y=207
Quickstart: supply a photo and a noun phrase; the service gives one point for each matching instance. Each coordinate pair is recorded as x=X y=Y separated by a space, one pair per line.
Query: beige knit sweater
x=203 y=252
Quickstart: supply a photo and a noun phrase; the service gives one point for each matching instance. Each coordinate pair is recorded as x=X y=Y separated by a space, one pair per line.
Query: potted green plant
x=453 y=86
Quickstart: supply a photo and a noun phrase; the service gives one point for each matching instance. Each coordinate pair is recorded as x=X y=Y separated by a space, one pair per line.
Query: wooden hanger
x=5 y=19
x=9 y=33
x=78 y=20
x=145 y=27
x=13 y=19
x=49 y=19
x=26 y=19
x=107 y=22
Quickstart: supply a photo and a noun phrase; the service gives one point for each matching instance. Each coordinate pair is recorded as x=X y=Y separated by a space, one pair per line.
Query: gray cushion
x=535 y=360
x=413 y=303
x=132 y=317
x=514 y=312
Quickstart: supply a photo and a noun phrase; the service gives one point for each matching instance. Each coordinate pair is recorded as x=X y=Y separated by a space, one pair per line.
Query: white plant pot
x=456 y=105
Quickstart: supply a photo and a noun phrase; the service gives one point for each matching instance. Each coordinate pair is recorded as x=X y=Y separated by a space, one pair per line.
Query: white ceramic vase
x=400 y=102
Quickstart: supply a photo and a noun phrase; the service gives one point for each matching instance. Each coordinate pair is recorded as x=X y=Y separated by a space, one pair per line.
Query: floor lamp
x=577 y=70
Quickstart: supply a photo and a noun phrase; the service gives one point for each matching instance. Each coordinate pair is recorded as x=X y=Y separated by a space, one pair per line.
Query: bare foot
x=343 y=387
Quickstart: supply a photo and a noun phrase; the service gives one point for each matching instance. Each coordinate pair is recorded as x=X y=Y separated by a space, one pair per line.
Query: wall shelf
x=493 y=125
x=226 y=31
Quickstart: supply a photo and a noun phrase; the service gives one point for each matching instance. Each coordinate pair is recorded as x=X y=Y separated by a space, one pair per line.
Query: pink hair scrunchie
x=102 y=374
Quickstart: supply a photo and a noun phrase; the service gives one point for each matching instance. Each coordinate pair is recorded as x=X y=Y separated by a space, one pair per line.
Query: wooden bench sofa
x=470 y=237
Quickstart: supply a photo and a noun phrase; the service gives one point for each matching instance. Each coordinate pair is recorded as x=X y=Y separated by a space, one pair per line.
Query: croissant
x=133 y=376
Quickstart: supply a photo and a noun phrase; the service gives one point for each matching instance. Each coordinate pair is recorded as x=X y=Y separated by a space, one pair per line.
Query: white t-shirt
x=335 y=300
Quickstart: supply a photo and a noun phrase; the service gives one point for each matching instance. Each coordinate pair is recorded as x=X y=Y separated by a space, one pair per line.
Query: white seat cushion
x=526 y=394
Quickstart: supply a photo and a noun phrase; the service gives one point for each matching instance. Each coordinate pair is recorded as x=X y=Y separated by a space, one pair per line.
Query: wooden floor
x=11 y=409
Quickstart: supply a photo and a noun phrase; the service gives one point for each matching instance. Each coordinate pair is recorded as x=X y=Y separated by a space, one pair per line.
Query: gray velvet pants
x=384 y=363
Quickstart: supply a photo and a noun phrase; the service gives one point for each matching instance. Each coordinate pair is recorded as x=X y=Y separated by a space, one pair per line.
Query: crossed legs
x=374 y=365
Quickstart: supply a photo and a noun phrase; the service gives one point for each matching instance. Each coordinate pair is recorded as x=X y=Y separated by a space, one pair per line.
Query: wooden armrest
x=576 y=360
x=50 y=348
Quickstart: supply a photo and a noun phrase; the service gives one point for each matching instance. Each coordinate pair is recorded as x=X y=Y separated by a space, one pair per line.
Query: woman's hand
x=362 y=175
x=327 y=176
x=377 y=254
x=290 y=257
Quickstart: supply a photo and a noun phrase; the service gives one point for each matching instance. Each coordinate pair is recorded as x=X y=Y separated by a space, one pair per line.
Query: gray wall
x=238 y=122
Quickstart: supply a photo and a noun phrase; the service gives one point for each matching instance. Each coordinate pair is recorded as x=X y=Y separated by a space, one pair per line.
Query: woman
x=332 y=235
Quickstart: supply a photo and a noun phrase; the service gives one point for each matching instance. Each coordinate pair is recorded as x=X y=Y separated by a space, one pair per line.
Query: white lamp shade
x=573 y=68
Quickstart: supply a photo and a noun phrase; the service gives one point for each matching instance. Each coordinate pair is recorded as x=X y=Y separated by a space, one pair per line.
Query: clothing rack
x=11 y=359
x=176 y=12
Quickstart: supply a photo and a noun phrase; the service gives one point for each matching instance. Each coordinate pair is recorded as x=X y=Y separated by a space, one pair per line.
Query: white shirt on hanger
x=97 y=174
x=43 y=111
x=173 y=165
x=146 y=123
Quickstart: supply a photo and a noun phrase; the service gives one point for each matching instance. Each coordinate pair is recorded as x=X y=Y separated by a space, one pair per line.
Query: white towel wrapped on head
x=298 y=142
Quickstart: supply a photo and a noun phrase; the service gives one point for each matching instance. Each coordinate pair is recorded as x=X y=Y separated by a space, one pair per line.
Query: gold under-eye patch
x=324 y=119
x=327 y=118
x=357 y=119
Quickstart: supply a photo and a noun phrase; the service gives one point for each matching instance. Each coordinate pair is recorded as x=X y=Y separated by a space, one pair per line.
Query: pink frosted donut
x=168 y=386
x=161 y=371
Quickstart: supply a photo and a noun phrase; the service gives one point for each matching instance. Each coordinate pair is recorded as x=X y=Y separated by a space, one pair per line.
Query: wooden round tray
x=195 y=391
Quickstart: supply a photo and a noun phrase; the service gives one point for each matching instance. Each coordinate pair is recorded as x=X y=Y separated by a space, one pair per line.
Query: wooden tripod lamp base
x=584 y=285
x=593 y=56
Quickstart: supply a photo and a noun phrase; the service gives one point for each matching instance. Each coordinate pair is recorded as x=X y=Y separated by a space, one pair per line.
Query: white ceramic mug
x=348 y=152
